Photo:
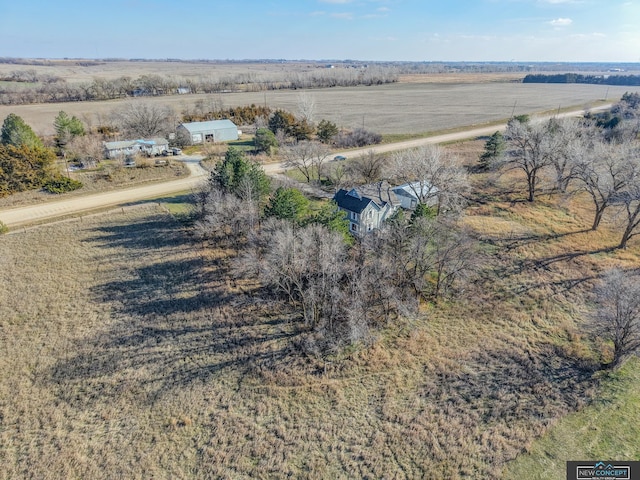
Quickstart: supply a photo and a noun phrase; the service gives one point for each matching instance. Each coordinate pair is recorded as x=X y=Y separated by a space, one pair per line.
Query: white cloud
x=336 y=1
x=383 y=9
x=561 y=22
x=343 y=16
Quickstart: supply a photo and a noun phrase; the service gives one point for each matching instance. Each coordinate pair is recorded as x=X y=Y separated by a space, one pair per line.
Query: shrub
x=61 y=185
x=357 y=138
x=3 y=228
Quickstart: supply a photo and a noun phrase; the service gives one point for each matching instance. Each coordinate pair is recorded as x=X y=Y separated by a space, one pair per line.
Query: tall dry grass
x=129 y=351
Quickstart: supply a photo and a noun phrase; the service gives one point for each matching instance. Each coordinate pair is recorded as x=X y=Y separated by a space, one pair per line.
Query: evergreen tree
x=334 y=219
x=423 y=210
x=282 y=121
x=287 y=204
x=25 y=168
x=493 y=150
x=17 y=133
x=67 y=128
x=265 y=141
x=326 y=131
x=241 y=177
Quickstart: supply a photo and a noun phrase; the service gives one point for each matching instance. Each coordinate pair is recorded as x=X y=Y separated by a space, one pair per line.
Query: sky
x=369 y=30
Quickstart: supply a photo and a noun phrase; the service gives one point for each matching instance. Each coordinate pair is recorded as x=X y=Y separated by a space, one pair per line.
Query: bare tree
x=630 y=201
x=567 y=142
x=336 y=174
x=144 y=120
x=605 y=170
x=305 y=264
x=224 y=216
x=617 y=316
x=531 y=147
x=306 y=107
x=307 y=157
x=87 y=148
x=368 y=168
x=433 y=175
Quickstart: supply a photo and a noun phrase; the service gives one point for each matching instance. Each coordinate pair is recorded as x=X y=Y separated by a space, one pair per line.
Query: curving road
x=20 y=216
x=30 y=214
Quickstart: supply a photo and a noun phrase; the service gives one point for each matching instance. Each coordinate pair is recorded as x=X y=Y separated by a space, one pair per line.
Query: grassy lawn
x=608 y=429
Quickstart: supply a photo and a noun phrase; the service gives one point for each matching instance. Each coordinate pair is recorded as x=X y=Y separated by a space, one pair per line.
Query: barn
x=212 y=131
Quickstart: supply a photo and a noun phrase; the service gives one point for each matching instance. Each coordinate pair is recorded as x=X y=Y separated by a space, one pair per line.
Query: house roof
x=410 y=189
x=354 y=203
x=130 y=143
x=195 y=127
x=358 y=198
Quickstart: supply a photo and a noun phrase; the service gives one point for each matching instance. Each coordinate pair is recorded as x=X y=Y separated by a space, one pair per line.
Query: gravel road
x=16 y=217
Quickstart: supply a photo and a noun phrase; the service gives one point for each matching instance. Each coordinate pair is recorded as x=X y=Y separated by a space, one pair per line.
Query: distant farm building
x=151 y=147
x=213 y=131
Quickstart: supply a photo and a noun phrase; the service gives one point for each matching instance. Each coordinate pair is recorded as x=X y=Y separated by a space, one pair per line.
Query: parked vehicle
x=129 y=162
x=339 y=158
x=176 y=151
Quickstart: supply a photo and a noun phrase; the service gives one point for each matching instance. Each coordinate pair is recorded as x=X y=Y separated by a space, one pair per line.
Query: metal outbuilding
x=211 y=131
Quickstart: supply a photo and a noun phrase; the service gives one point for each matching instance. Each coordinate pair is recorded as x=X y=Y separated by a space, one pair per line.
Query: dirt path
x=16 y=217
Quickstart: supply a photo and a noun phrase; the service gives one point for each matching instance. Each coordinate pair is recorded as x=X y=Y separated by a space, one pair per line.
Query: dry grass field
x=129 y=352
x=400 y=108
x=73 y=72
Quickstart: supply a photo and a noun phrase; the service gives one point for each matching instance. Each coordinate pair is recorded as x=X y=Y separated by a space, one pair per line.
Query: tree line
x=53 y=89
x=626 y=80
x=571 y=156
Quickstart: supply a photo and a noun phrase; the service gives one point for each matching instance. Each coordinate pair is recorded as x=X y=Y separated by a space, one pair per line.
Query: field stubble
x=399 y=108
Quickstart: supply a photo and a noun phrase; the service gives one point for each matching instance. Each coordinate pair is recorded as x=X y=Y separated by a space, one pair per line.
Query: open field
x=131 y=352
x=606 y=429
x=398 y=108
x=72 y=72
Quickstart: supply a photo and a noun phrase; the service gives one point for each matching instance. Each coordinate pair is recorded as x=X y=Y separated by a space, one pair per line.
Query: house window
x=354 y=216
x=354 y=227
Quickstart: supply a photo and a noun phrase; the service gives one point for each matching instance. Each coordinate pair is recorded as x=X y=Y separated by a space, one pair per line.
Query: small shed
x=211 y=131
x=411 y=194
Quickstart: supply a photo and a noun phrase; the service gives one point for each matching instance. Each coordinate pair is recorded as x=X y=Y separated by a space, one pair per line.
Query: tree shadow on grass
x=510 y=385
x=169 y=320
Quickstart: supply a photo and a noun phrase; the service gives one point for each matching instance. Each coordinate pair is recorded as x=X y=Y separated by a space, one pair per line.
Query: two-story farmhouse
x=367 y=206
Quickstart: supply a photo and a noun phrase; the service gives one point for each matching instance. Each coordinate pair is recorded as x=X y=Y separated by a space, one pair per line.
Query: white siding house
x=410 y=194
x=151 y=147
x=367 y=206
